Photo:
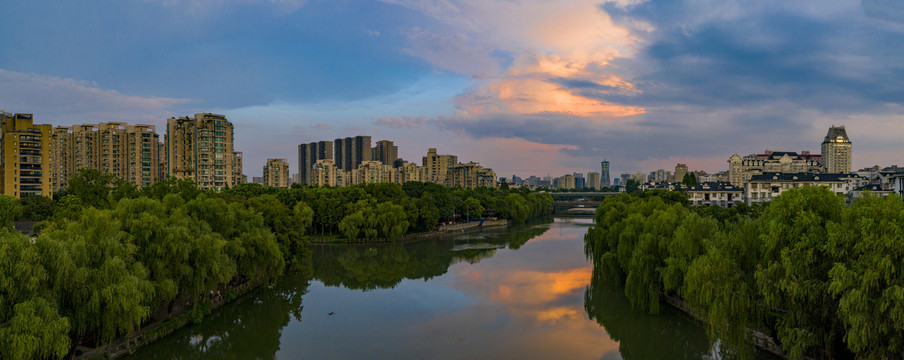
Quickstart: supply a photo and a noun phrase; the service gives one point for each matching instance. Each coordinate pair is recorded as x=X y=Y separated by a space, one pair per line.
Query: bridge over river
x=578 y=203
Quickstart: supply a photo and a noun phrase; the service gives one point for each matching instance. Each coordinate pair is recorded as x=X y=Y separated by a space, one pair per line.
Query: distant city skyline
x=553 y=87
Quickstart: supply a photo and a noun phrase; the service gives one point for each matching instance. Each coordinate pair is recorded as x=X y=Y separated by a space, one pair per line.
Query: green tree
x=472 y=208
x=36 y=208
x=10 y=209
x=794 y=274
x=351 y=225
x=35 y=331
x=632 y=186
x=91 y=187
x=866 y=277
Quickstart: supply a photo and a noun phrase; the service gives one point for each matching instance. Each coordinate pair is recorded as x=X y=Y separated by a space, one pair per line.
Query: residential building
x=593 y=180
x=604 y=174
x=741 y=169
x=768 y=186
x=309 y=154
x=471 y=176
x=200 y=148
x=351 y=151
x=276 y=173
x=128 y=152
x=680 y=172
x=26 y=157
x=639 y=177
x=237 y=163
x=437 y=166
x=385 y=152
x=836 y=151
x=325 y=172
x=579 y=181
x=566 y=182
x=719 y=194
x=408 y=171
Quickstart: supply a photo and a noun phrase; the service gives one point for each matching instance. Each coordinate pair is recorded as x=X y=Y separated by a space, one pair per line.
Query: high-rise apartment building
x=237 y=164
x=604 y=174
x=308 y=155
x=276 y=173
x=25 y=157
x=200 y=148
x=566 y=182
x=351 y=151
x=593 y=180
x=470 y=176
x=680 y=172
x=128 y=152
x=579 y=181
x=385 y=152
x=836 y=151
x=437 y=166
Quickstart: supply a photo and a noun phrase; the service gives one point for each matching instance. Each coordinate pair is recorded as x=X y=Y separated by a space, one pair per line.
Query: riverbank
x=441 y=230
x=160 y=328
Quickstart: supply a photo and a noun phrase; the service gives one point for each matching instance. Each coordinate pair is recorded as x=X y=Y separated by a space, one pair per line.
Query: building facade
x=25 y=158
x=742 y=169
x=604 y=173
x=351 y=151
x=200 y=148
x=385 y=152
x=593 y=180
x=680 y=172
x=719 y=194
x=471 y=176
x=308 y=155
x=128 y=152
x=836 y=151
x=276 y=173
x=437 y=166
x=768 y=186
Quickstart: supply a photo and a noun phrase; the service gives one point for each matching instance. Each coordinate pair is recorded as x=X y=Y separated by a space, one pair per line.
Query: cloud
x=69 y=101
x=286 y=6
x=648 y=83
x=455 y=52
x=402 y=122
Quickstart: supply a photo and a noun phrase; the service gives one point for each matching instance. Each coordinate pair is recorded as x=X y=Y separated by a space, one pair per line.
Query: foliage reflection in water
x=521 y=292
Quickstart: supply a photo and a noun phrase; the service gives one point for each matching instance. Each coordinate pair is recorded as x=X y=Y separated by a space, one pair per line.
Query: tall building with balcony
x=128 y=152
x=276 y=173
x=25 y=157
x=836 y=151
x=437 y=166
x=385 y=152
x=351 y=151
x=200 y=148
x=308 y=155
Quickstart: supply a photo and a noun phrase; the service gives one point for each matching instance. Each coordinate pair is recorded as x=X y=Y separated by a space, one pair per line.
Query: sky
x=526 y=87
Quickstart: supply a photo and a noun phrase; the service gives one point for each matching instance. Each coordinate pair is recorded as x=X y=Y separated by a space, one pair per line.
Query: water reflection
x=249 y=329
x=383 y=266
x=514 y=293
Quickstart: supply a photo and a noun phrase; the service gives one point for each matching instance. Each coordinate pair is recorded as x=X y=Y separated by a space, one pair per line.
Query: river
x=525 y=292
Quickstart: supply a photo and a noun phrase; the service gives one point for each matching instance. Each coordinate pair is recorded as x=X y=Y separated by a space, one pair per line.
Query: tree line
x=823 y=278
x=110 y=257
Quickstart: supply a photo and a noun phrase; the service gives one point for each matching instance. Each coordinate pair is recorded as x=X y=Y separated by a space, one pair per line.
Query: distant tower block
x=836 y=151
x=604 y=174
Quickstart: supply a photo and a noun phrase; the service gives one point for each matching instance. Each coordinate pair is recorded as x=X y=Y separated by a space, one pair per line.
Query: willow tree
x=867 y=276
x=793 y=277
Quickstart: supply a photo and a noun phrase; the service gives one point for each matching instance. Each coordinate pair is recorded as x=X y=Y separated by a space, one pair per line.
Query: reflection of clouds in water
x=891 y=10
x=528 y=287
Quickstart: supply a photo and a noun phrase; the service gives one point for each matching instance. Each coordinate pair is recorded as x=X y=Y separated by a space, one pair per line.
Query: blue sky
x=526 y=87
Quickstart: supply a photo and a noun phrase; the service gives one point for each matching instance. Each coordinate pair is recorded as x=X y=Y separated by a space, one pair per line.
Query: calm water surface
x=517 y=293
